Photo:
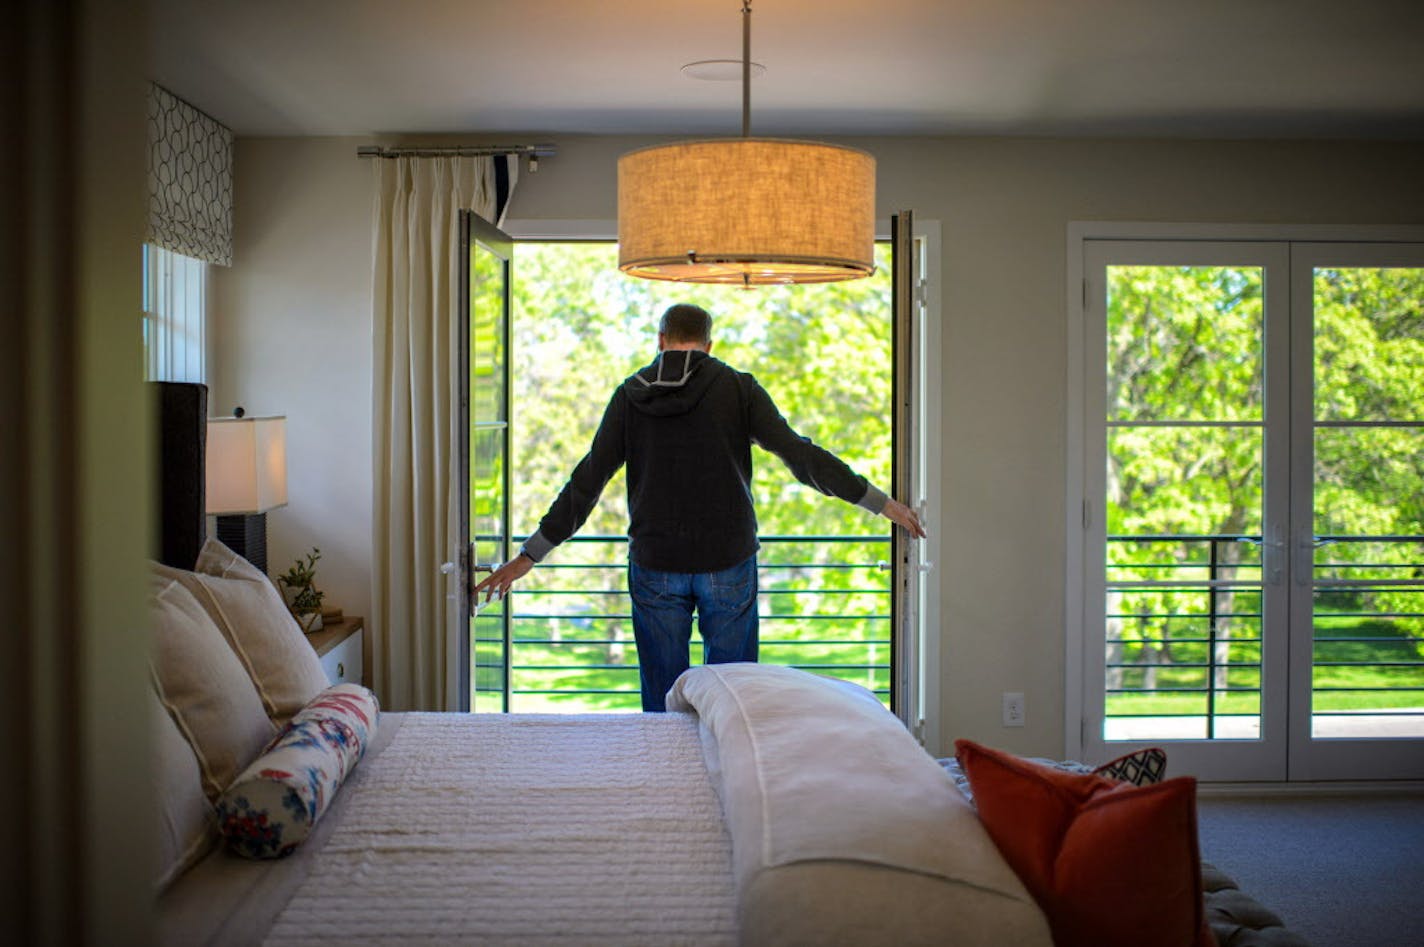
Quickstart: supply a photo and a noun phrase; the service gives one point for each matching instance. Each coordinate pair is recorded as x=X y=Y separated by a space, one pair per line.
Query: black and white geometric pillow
x=1141 y=768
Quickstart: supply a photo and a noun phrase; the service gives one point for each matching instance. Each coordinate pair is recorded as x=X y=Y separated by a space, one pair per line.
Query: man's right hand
x=897 y=512
x=501 y=579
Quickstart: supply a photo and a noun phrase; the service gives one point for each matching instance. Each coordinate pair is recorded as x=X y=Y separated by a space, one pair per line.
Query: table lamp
x=246 y=477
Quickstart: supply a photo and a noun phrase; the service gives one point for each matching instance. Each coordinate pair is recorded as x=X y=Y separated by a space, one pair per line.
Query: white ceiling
x=1189 y=68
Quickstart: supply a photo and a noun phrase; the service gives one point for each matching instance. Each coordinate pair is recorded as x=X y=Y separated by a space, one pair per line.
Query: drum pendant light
x=746 y=210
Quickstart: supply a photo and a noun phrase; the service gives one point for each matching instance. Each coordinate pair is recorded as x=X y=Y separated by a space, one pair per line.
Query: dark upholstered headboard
x=182 y=442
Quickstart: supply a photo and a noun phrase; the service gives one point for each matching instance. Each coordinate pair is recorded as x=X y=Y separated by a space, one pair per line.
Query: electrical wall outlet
x=1013 y=709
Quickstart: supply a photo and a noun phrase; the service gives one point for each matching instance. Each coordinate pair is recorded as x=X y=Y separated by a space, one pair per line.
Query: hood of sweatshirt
x=673 y=383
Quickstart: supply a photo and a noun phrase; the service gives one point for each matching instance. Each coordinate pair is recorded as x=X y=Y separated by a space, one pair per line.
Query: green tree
x=1184 y=345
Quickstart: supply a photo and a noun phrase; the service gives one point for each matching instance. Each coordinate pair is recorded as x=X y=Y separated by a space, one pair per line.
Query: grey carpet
x=1341 y=870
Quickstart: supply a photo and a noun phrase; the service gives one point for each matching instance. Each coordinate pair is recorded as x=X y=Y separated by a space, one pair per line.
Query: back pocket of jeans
x=735 y=587
x=645 y=585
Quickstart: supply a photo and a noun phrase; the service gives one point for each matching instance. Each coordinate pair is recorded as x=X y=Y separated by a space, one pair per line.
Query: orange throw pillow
x=1109 y=863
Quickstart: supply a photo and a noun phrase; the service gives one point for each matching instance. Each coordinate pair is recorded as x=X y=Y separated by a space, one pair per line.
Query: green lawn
x=1373 y=644
x=574 y=649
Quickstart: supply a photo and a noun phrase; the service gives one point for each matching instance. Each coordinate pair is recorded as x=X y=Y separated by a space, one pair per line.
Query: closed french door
x=1253 y=510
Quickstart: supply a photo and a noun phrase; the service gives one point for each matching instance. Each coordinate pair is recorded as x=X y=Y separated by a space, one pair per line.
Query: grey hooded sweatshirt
x=685 y=425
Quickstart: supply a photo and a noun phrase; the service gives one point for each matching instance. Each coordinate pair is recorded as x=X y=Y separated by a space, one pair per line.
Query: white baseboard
x=1373 y=787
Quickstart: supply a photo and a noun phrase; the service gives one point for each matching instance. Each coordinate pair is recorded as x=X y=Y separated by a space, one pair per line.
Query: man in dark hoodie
x=685 y=426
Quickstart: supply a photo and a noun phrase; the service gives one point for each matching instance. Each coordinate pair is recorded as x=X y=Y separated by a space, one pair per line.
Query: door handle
x=884 y=566
x=448 y=567
x=1304 y=566
x=1273 y=552
x=1276 y=548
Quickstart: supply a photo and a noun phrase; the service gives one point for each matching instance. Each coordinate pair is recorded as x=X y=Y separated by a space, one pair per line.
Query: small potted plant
x=303 y=597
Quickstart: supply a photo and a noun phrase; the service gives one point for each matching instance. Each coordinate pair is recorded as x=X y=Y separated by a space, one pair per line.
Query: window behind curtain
x=175 y=294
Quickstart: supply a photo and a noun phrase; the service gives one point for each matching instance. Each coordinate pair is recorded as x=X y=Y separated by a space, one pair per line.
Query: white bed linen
x=609 y=829
x=534 y=829
x=844 y=831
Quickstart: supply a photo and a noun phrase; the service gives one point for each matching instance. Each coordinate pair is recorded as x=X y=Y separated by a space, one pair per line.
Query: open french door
x=485 y=447
x=483 y=452
x=908 y=473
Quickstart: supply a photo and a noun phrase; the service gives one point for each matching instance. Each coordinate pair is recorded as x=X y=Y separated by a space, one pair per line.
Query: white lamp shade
x=247 y=465
x=747 y=211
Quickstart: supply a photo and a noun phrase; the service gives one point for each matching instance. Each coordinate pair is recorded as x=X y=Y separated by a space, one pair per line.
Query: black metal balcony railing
x=564 y=638
x=1184 y=628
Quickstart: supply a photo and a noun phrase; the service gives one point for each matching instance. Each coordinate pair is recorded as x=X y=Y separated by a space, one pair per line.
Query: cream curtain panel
x=416 y=475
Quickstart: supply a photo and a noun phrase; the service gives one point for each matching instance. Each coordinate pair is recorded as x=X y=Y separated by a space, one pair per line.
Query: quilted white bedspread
x=537 y=829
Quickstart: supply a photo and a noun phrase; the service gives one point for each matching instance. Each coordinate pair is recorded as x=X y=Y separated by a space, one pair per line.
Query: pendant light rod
x=746 y=68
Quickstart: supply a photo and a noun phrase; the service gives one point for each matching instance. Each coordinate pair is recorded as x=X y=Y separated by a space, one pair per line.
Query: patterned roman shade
x=189 y=180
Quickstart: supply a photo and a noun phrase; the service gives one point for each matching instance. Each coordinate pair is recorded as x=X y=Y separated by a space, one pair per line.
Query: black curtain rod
x=463 y=151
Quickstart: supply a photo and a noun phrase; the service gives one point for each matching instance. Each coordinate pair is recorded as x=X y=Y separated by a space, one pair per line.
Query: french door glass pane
x=488 y=440
x=488 y=358
x=1368 y=514
x=1183 y=506
x=1184 y=343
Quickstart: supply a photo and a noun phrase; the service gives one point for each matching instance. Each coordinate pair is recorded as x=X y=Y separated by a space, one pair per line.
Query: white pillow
x=203 y=686
x=250 y=613
x=187 y=824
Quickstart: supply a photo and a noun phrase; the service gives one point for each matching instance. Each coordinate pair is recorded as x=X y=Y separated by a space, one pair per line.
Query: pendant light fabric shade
x=747 y=211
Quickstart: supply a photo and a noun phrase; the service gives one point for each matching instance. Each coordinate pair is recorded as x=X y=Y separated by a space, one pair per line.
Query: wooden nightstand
x=339 y=644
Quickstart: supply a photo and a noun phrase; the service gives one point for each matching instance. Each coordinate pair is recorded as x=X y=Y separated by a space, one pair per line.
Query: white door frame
x=927 y=233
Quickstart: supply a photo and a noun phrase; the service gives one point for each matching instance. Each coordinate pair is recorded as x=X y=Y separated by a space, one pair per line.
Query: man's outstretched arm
x=819 y=468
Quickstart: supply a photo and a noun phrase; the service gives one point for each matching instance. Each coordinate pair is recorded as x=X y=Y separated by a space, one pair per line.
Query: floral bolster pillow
x=272 y=806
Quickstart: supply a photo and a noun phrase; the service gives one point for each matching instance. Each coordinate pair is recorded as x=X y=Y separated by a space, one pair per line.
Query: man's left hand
x=897 y=512
x=501 y=579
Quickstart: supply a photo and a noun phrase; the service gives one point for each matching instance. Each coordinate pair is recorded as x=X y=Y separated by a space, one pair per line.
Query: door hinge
x=1087 y=513
x=1085 y=292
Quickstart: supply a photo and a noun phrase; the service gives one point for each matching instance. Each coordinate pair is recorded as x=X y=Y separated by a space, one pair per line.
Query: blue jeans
x=663 y=603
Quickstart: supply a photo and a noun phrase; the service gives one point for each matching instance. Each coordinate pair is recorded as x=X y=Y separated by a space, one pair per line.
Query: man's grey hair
x=684 y=323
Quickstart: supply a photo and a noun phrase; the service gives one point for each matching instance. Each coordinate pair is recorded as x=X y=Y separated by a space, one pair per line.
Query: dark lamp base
x=246 y=535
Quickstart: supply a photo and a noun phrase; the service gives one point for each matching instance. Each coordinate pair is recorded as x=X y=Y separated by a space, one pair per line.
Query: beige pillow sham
x=250 y=613
x=203 y=686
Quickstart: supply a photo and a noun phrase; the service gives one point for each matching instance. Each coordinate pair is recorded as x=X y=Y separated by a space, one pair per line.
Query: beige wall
x=293 y=334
